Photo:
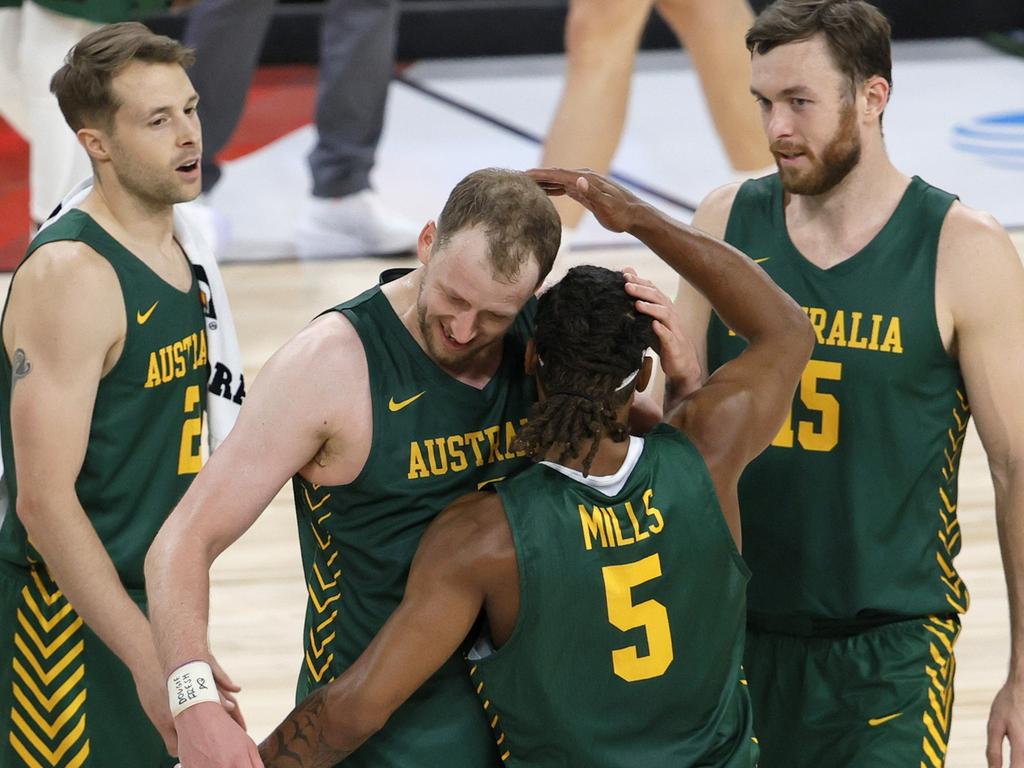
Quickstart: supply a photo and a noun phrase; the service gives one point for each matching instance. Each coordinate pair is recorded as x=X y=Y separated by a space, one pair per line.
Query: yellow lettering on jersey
x=640 y=535
x=153 y=378
x=593 y=527
x=434 y=456
x=476 y=438
x=654 y=512
x=178 y=350
x=417 y=466
x=620 y=540
x=876 y=327
x=837 y=336
x=440 y=466
x=201 y=357
x=818 y=318
x=856 y=342
x=457 y=453
x=893 y=343
x=492 y=438
x=175 y=360
x=844 y=330
x=604 y=525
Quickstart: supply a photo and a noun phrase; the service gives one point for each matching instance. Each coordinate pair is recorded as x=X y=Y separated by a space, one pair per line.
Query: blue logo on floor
x=996 y=139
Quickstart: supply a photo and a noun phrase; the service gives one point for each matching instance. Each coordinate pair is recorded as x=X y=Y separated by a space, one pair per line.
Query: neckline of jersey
x=859 y=258
x=90 y=221
x=609 y=486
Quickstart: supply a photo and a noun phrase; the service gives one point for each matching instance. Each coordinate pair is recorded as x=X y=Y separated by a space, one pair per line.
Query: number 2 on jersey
x=624 y=615
x=189 y=459
x=827 y=437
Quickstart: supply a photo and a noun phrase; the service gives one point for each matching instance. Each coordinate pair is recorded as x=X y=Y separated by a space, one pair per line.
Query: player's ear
x=530 y=361
x=425 y=245
x=644 y=377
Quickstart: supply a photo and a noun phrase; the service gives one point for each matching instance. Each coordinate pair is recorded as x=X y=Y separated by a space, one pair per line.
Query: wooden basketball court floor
x=258 y=594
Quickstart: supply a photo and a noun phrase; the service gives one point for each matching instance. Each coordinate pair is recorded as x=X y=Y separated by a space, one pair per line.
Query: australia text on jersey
x=174 y=361
x=435 y=456
x=856 y=330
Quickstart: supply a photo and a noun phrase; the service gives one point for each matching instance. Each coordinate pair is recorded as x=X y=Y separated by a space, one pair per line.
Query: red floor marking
x=282 y=99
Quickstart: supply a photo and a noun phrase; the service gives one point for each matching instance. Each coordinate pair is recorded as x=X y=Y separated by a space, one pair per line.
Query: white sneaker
x=355 y=225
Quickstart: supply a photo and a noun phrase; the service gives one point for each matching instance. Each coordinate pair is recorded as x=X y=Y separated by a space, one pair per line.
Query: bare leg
x=713 y=32
x=601 y=37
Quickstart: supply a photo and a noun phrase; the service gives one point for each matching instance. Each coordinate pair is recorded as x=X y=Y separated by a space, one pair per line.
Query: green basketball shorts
x=66 y=701
x=880 y=698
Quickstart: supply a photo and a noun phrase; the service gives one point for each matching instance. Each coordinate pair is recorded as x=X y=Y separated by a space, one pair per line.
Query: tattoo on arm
x=298 y=742
x=20 y=366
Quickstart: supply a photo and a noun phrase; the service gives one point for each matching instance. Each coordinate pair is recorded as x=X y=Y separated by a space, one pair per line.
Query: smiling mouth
x=188 y=167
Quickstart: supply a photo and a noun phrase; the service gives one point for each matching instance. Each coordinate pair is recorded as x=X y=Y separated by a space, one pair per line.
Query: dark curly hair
x=589 y=337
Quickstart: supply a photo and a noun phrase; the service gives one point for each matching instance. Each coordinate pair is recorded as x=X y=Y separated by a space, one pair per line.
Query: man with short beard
x=850 y=515
x=102 y=400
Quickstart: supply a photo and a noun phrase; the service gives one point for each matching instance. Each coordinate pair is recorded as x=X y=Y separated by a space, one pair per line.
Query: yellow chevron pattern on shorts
x=492 y=717
x=948 y=533
x=322 y=586
x=48 y=719
x=941 y=670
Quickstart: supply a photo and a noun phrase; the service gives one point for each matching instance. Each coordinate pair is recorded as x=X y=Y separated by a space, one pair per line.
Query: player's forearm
x=1009 y=491
x=178 y=588
x=320 y=732
x=740 y=292
x=76 y=559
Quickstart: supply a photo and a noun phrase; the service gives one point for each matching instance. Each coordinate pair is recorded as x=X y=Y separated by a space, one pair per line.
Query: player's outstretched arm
x=465 y=555
x=979 y=285
x=64 y=324
x=296 y=403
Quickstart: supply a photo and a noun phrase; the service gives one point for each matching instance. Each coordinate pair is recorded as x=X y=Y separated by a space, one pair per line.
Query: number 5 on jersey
x=624 y=615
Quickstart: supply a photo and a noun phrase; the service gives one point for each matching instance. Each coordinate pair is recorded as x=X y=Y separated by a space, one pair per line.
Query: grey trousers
x=357 y=51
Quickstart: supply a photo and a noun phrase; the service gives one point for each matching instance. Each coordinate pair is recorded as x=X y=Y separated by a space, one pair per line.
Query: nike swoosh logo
x=396 y=407
x=762 y=261
x=880 y=720
x=142 y=317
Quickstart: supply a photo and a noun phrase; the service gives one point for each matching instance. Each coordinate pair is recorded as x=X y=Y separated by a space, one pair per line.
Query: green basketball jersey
x=850 y=514
x=629 y=640
x=105 y=11
x=434 y=439
x=144 y=439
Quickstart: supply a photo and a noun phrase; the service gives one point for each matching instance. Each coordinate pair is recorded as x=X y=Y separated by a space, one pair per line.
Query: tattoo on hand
x=20 y=366
x=299 y=742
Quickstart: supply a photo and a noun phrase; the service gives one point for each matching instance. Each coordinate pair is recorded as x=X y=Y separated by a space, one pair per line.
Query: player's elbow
x=35 y=507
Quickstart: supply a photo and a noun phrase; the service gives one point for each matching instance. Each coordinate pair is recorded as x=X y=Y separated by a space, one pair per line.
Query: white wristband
x=190 y=684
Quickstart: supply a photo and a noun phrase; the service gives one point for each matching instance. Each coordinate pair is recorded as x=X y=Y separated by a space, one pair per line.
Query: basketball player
x=609 y=573
x=102 y=396
x=850 y=515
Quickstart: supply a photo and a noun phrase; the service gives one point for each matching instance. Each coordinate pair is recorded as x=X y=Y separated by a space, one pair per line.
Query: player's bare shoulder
x=975 y=256
x=712 y=215
x=319 y=383
x=66 y=287
x=471 y=533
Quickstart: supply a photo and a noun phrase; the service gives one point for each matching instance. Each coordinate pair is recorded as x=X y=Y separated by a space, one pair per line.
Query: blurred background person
x=601 y=40
x=344 y=217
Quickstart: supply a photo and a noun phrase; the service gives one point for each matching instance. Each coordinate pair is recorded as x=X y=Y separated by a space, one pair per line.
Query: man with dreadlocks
x=608 y=573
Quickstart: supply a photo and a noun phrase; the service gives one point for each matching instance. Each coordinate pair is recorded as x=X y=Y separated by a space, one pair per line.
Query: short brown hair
x=514 y=211
x=82 y=84
x=857 y=34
